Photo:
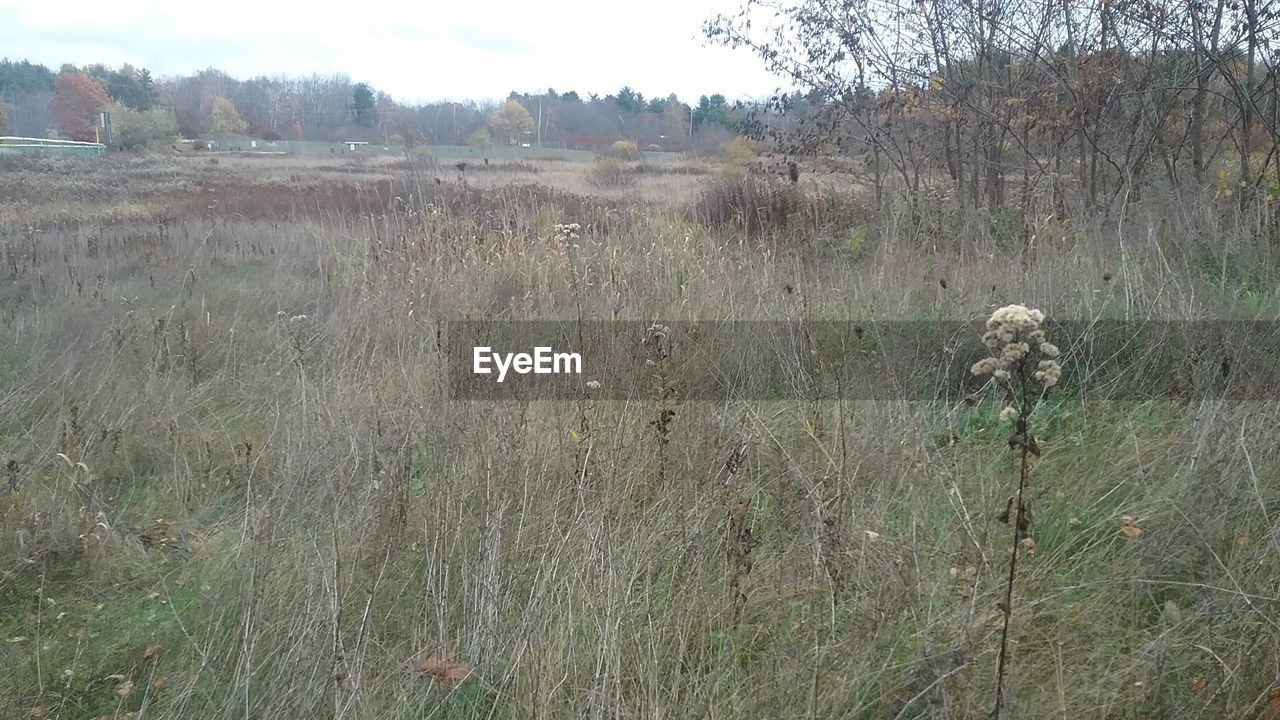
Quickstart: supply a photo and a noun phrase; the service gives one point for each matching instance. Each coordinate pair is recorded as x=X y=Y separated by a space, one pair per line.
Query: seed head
x=1014 y=332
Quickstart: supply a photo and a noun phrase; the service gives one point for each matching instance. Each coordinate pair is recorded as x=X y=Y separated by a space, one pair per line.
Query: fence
x=10 y=145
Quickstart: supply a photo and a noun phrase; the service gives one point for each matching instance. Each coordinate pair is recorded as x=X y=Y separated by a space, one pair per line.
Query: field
x=449 y=153
x=236 y=484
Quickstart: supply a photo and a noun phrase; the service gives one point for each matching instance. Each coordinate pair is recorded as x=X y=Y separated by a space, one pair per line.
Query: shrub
x=138 y=129
x=738 y=152
x=756 y=205
x=609 y=172
x=761 y=205
x=624 y=150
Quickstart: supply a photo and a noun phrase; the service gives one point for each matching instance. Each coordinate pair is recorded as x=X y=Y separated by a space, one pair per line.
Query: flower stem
x=1007 y=607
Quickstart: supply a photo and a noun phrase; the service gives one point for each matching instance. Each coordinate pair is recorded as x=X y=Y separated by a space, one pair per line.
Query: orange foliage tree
x=77 y=99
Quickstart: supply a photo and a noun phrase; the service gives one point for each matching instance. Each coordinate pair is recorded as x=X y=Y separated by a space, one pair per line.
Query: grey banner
x=826 y=360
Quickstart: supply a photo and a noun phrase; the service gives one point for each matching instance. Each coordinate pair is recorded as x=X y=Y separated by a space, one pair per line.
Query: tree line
x=35 y=100
x=1014 y=103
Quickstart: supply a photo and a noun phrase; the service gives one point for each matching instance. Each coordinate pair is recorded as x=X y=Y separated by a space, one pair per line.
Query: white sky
x=415 y=50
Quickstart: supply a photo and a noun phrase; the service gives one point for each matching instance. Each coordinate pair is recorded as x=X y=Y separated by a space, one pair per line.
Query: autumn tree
x=511 y=121
x=224 y=119
x=77 y=99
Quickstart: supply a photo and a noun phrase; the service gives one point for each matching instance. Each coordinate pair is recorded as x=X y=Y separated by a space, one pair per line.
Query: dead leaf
x=159 y=682
x=1129 y=527
x=991 y=619
x=125 y=689
x=1198 y=684
x=1272 y=710
x=444 y=669
x=152 y=652
x=1242 y=540
x=39 y=712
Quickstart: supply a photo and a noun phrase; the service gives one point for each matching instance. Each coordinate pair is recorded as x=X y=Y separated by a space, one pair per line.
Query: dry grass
x=235 y=486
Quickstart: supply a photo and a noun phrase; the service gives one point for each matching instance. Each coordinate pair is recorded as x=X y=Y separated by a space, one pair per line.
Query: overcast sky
x=419 y=50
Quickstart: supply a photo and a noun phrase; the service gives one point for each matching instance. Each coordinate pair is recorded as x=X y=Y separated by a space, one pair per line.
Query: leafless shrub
x=761 y=206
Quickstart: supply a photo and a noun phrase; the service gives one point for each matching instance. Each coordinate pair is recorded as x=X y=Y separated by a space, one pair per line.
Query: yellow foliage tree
x=224 y=119
x=511 y=121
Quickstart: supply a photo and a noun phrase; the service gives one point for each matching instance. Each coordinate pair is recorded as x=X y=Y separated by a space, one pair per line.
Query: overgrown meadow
x=235 y=485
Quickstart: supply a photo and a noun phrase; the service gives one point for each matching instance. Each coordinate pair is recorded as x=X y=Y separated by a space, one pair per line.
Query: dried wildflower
x=1015 y=351
x=1025 y=353
x=568 y=231
x=1048 y=372
x=985 y=366
x=1024 y=367
x=656 y=330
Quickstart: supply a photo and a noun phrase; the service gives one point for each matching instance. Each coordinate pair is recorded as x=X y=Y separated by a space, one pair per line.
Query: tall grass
x=236 y=487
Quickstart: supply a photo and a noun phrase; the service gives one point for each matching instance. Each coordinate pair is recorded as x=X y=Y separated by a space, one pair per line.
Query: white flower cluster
x=656 y=338
x=1006 y=323
x=568 y=231
x=1014 y=331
